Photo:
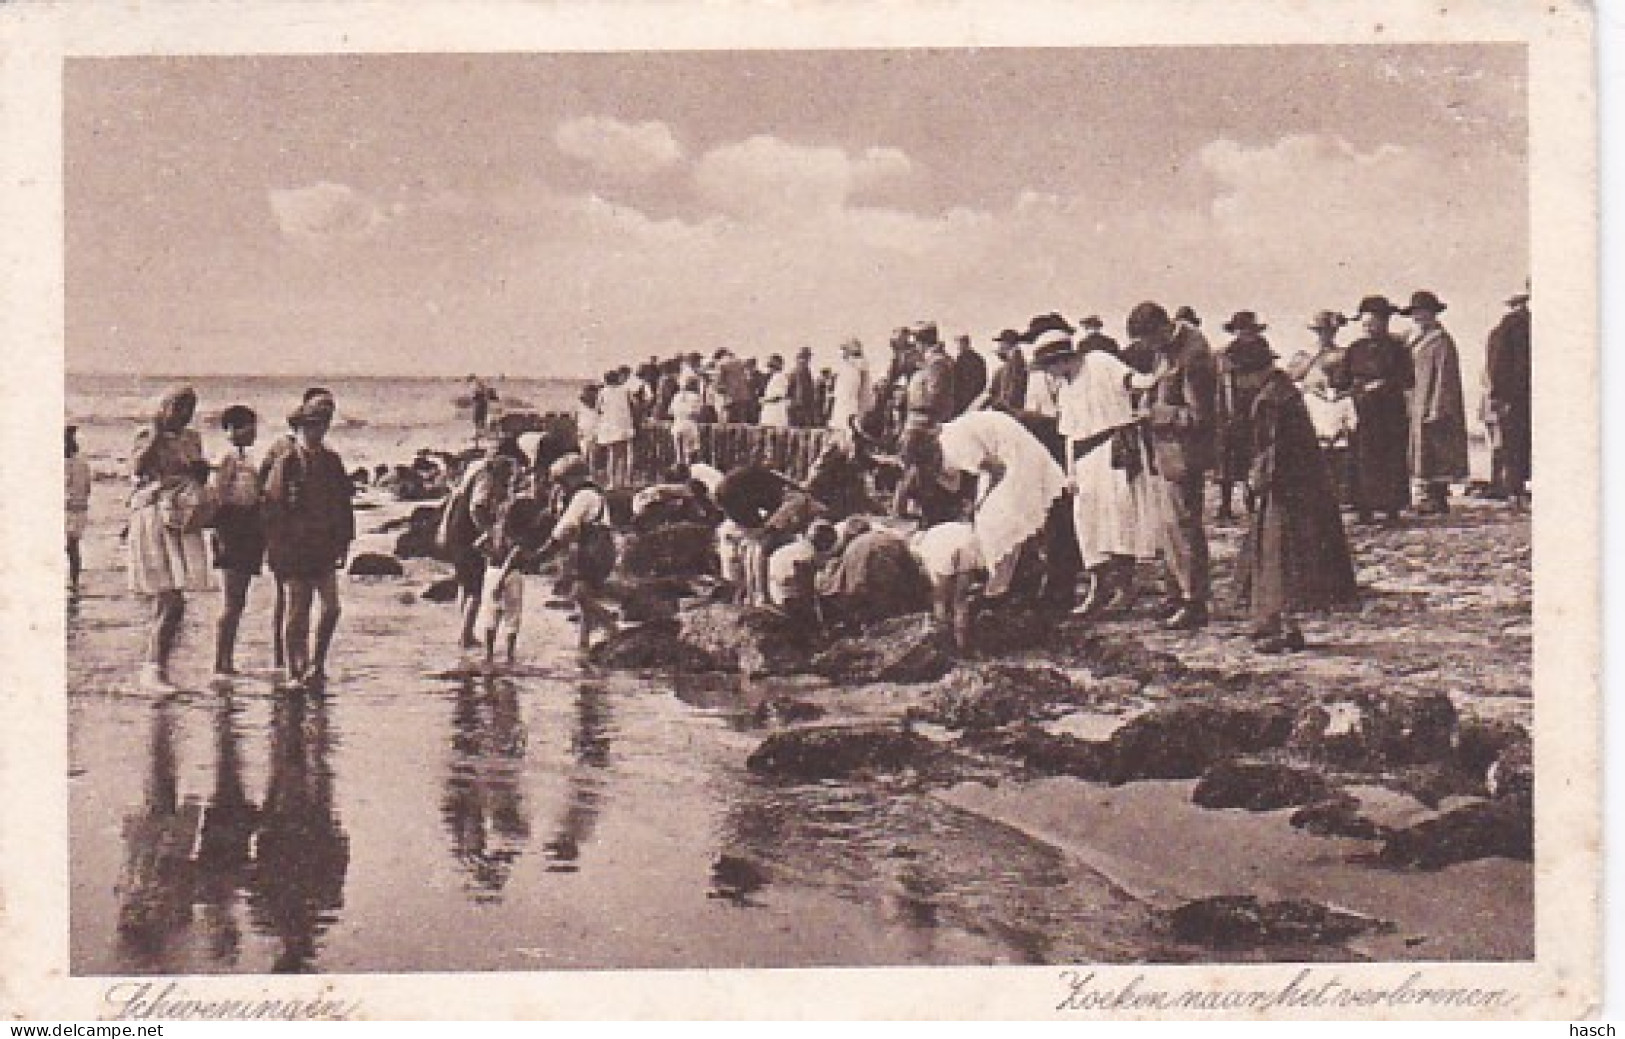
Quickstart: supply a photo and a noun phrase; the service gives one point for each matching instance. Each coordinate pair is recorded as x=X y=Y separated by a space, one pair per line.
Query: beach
x=425 y=814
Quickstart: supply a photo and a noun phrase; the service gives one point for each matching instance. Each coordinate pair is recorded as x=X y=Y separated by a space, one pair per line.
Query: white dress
x=1104 y=509
x=615 y=422
x=848 y=398
x=776 y=401
x=1011 y=507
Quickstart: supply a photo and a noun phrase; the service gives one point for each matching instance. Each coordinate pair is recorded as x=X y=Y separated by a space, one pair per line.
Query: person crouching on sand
x=239 y=531
x=309 y=524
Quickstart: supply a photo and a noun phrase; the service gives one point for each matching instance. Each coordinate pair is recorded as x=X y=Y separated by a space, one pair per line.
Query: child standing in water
x=76 y=473
x=309 y=524
x=512 y=540
x=239 y=530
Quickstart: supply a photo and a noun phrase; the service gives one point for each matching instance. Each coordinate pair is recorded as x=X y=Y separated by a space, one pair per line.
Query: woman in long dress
x=1296 y=557
x=1019 y=480
x=776 y=395
x=166 y=560
x=1103 y=440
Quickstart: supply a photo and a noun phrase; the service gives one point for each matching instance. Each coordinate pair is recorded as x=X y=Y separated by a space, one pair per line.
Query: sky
x=556 y=214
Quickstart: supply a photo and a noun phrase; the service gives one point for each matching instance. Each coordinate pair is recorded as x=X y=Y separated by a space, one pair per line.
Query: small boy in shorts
x=239 y=530
x=515 y=533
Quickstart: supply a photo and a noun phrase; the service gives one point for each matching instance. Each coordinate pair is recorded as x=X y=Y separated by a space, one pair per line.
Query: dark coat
x=309 y=519
x=1241 y=375
x=1378 y=371
x=1183 y=407
x=803 y=396
x=1511 y=374
x=1296 y=556
x=970 y=379
x=1008 y=390
x=1438 y=410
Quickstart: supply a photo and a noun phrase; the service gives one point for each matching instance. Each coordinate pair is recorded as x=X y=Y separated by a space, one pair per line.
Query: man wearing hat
x=1181 y=407
x=1243 y=367
x=1438 y=408
x=851 y=395
x=970 y=375
x=1378 y=372
x=803 y=391
x=1007 y=390
x=1509 y=372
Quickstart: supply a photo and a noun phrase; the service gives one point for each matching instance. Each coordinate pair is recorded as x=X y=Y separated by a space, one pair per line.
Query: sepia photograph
x=1050 y=502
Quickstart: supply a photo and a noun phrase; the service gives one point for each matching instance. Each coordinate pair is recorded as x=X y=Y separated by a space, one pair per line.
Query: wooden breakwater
x=722 y=444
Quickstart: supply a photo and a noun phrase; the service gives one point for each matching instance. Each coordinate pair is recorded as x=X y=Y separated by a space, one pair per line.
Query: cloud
x=765 y=176
x=629 y=150
x=325 y=212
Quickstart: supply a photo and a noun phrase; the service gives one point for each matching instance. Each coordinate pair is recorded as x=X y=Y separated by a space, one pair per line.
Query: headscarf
x=171 y=400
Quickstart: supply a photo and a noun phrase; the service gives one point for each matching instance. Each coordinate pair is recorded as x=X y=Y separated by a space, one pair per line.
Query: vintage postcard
x=920 y=510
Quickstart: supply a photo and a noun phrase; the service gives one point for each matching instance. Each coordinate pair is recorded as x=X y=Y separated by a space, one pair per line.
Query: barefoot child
x=239 y=530
x=584 y=529
x=510 y=523
x=309 y=524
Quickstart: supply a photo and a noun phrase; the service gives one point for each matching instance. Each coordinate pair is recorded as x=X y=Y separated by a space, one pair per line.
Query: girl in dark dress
x=1296 y=557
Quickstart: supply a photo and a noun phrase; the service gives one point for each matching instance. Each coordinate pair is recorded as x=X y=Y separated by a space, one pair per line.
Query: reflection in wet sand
x=301 y=852
x=484 y=803
x=584 y=780
x=154 y=889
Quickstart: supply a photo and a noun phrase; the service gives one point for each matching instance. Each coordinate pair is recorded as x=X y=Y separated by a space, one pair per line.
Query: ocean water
x=382 y=419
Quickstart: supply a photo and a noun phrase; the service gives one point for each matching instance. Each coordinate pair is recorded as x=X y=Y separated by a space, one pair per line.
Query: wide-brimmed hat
x=852 y=348
x=1053 y=347
x=1092 y=321
x=310 y=413
x=805 y=351
x=924 y=332
x=1243 y=321
x=1326 y=319
x=1422 y=299
x=1518 y=299
x=1008 y=337
x=1051 y=322
x=1187 y=315
x=567 y=466
x=1146 y=318
x=1377 y=305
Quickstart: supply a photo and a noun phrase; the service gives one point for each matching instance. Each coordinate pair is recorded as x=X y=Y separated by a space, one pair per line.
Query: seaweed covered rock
x=1513 y=772
x=1045 y=753
x=651 y=646
x=376 y=564
x=840 y=751
x=902 y=649
x=1182 y=740
x=1374 y=729
x=1480 y=741
x=1260 y=786
x=1245 y=922
x=748 y=639
x=673 y=550
x=1110 y=655
x=1013 y=630
x=1503 y=827
x=416 y=541
x=442 y=590
x=648 y=599
x=985 y=696
x=1339 y=816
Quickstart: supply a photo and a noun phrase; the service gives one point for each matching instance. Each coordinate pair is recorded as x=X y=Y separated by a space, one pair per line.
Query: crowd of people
x=943 y=485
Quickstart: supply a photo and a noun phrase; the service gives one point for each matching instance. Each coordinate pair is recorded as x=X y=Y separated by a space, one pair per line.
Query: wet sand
x=423 y=816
